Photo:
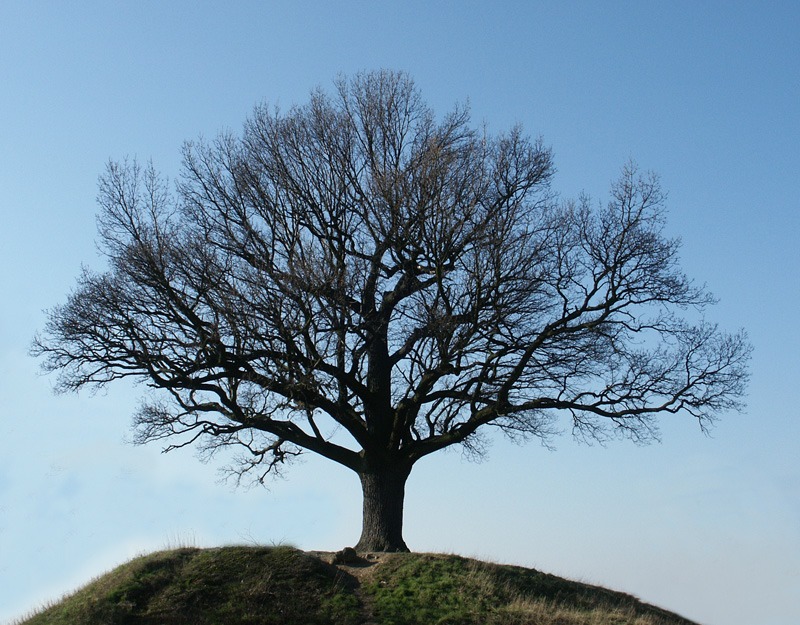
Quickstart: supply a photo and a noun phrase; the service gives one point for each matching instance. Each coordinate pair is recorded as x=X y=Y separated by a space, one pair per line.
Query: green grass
x=423 y=589
x=242 y=585
x=281 y=585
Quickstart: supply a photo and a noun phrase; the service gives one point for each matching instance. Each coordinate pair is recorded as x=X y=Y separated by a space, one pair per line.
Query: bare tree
x=357 y=279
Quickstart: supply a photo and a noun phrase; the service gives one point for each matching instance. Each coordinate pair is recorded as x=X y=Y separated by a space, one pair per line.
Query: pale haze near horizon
x=705 y=94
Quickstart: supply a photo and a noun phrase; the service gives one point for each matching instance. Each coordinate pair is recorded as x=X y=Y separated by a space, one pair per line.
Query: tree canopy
x=356 y=278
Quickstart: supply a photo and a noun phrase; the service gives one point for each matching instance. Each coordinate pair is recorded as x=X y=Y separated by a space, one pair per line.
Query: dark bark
x=384 y=492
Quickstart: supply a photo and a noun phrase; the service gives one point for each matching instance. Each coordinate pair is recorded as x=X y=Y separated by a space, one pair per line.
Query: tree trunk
x=384 y=492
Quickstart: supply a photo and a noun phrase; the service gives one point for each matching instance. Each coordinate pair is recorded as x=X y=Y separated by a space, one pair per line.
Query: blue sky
x=707 y=94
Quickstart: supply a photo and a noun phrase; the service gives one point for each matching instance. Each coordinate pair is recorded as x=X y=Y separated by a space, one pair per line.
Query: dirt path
x=358 y=570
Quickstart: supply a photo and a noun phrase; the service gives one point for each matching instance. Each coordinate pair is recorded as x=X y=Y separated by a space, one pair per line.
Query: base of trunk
x=367 y=546
x=384 y=493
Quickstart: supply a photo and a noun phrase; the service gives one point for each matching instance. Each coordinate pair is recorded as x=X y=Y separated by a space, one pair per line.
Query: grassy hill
x=281 y=585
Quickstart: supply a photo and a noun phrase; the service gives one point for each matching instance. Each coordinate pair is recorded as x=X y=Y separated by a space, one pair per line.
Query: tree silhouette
x=357 y=279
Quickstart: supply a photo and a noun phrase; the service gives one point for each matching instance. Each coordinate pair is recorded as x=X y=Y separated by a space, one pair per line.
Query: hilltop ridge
x=286 y=586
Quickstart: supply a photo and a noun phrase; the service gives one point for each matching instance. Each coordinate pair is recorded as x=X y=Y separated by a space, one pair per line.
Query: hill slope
x=281 y=585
